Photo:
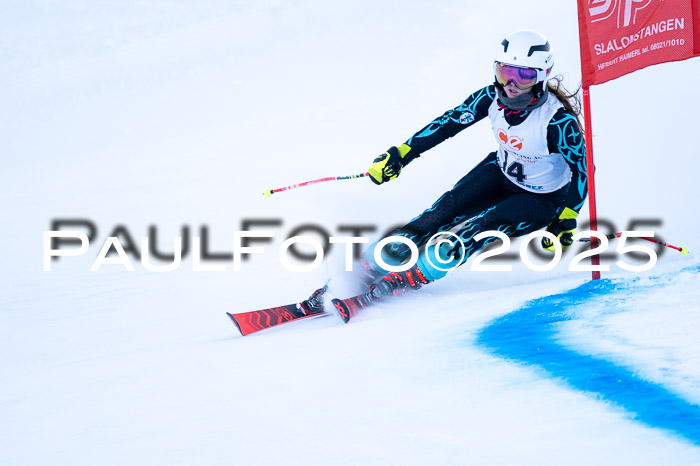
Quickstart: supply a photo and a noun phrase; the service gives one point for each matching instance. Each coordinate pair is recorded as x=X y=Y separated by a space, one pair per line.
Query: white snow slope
x=168 y=115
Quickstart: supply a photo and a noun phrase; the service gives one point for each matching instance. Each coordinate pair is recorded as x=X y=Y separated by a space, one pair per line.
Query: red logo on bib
x=513 y=142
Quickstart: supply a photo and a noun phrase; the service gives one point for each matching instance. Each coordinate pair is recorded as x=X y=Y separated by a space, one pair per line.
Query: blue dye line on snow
x=530 y=334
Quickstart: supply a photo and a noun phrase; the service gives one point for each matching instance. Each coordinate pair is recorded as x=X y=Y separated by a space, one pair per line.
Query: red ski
x=254 y=321
x=349 y=307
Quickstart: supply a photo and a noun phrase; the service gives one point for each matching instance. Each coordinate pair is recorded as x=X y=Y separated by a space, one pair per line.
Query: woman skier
x=536 y=178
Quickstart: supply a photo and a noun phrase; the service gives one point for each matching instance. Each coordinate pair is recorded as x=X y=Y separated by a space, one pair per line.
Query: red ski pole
x=682 y=249
x=270 y=192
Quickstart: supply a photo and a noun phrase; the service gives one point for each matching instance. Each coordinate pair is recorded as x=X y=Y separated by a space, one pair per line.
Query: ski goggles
x=523 y=78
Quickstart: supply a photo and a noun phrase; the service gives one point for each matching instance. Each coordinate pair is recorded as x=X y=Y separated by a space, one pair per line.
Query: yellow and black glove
x=564 y=228
x=388 y=165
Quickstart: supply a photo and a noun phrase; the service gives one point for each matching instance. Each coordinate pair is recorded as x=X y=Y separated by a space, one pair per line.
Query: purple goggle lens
x=523 y=78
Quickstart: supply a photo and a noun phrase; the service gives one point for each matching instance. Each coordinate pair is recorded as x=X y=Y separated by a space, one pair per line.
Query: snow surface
x=166 y=114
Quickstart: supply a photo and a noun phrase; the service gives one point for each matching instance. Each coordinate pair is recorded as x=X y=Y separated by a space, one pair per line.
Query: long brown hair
x=571 y=101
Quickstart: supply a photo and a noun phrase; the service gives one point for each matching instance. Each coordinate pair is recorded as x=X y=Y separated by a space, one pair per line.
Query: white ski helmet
x=526 y=49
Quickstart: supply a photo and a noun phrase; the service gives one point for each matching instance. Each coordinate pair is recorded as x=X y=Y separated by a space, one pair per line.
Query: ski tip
x=342 y=309
x=235 y=322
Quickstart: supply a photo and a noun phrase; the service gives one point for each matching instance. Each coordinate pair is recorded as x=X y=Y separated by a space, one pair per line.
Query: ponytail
x=571 y=102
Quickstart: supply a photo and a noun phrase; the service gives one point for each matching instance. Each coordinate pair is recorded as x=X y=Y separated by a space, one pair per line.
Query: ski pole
x=270 y=192
x=682 y=249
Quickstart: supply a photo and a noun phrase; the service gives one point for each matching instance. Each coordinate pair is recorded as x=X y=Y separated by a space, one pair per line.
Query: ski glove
x=563 y=227
x=388 y=165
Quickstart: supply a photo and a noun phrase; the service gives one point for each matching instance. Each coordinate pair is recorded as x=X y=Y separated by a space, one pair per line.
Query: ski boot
x=396 y=283
x=366 y=274
x=393 y=254
x=314 y=305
